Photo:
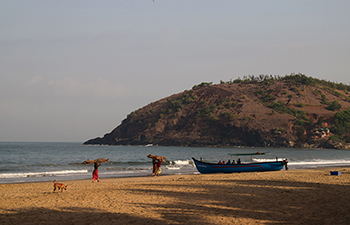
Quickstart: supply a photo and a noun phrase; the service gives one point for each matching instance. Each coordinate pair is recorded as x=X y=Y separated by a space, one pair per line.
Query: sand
x=282 y=197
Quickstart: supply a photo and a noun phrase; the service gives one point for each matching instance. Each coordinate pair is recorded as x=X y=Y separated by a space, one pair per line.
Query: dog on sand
x=59 y=186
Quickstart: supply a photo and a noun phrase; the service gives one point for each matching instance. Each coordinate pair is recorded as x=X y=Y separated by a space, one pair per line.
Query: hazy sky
x=73 y=70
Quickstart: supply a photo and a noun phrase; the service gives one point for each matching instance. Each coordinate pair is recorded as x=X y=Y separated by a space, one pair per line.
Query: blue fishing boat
x=206 y=167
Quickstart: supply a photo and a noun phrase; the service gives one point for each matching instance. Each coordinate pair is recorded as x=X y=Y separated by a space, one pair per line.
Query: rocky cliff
x=290 y=111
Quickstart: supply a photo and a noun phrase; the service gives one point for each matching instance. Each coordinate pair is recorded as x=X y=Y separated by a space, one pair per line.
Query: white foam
x=320 y=162
x=173 y=168
x=41 y=174
x=183 y=162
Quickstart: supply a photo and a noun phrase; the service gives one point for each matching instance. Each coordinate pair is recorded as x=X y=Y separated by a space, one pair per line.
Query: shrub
x=301 y=105
x=342 y=122
x=294 y=89
x=206 y=111
x=203 y=84
x=260 y=92
x=334 y=106
x=228 y=115
x=131 y=115
x=282 y=108
x=336 y=138
x=317 y=92
x=214 y=119
x=324 y=99
x=268 y=98
x=247 y=118
x=300 y=79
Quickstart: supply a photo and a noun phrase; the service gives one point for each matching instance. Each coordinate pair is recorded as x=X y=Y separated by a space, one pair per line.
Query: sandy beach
x=283 y=197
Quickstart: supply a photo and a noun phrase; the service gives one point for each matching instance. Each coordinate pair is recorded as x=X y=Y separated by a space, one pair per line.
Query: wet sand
x=283 y=197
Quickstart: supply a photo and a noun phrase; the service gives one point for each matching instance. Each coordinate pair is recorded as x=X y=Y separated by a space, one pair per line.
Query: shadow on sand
x=280 y=202
x=268 y=202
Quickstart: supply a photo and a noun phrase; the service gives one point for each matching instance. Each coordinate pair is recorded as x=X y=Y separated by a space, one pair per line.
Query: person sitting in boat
x=219 y=162
x=239 y=161
x=223 y=162
x=233 y=161
x=228 y=162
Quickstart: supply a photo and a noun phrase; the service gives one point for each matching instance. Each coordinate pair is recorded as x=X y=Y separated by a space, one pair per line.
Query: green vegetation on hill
x=296 y=79
x=203 y=84
x=299 y=79
x=250 y=111
x=302 y=122
x=342 y=121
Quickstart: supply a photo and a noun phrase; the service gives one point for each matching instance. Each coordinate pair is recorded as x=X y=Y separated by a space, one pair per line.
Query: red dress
x=95 y=173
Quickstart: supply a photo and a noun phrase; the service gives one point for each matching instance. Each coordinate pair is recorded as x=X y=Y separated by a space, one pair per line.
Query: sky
x=73 y=70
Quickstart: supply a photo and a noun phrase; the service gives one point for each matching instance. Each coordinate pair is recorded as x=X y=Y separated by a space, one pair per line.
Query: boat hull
x=205 y=168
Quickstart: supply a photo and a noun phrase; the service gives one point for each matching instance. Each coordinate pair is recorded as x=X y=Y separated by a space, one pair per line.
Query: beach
x=310 y=196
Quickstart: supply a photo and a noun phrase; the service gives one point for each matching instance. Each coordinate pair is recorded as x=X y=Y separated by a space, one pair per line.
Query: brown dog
x=59 y=186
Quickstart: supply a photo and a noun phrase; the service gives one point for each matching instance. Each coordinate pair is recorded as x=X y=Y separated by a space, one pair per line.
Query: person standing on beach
x=95 y=172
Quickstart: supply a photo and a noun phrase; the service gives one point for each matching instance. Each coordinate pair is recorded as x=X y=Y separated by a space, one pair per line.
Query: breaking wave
x=42 y=174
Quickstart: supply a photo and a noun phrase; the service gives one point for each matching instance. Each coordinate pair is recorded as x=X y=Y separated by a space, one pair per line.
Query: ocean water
x=44 y=161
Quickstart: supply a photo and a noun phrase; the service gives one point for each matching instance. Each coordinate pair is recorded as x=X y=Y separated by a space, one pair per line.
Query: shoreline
x=195 y=173
x=303 y=196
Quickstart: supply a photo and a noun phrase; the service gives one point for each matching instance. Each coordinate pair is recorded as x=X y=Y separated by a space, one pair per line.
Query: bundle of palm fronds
x=157 y=157
x=99 y=160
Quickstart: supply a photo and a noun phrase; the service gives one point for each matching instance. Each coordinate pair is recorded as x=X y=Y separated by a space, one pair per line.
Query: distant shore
x=306 y=196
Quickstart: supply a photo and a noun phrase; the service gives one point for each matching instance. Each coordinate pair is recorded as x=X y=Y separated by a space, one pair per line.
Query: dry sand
x=283 y=197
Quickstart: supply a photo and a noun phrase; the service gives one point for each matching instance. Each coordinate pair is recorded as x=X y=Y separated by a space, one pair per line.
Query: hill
x=289 y=111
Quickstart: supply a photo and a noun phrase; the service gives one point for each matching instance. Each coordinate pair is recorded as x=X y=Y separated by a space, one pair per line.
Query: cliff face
x=270 y=113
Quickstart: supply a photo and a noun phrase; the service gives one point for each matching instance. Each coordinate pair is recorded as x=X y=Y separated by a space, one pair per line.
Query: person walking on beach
x=95 y=172
x=157 y=163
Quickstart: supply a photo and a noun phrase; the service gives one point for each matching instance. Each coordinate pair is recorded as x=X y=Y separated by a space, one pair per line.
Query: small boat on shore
x=206 y=167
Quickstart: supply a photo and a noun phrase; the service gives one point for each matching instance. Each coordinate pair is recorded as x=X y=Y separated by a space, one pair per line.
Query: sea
x=45 y=161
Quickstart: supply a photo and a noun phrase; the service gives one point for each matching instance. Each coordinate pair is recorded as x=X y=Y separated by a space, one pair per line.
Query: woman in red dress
x=95 y=172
